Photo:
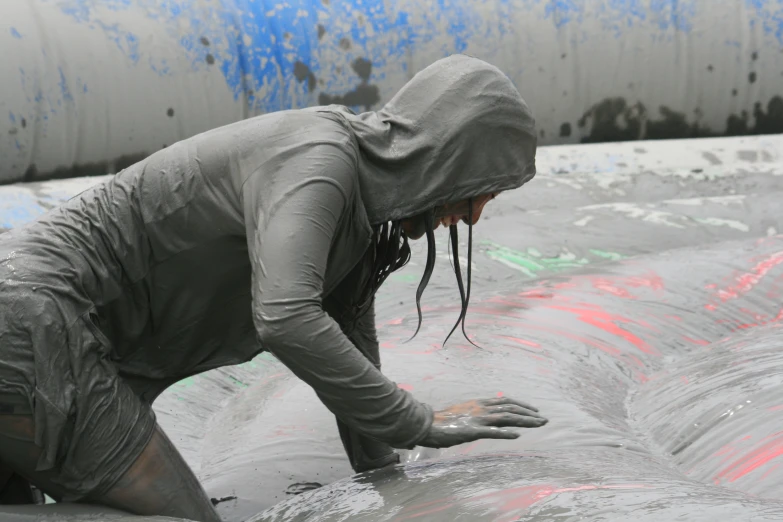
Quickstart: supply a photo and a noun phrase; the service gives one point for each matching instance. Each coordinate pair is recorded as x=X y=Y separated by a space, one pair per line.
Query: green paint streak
x=238 y=382
x=614 y=256
x=532 y=261
x=404 y=278
x=187 y=382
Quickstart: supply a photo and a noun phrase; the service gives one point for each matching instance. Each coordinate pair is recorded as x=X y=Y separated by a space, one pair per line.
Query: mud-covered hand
x=481 y=419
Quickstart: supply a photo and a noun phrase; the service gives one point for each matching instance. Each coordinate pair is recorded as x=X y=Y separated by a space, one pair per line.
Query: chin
x=414 y=229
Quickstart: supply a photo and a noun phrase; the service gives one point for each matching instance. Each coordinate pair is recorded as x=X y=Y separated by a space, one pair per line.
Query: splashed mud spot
x=364 y=95
x=302 y=487
x=615 y=119
x=302 y=72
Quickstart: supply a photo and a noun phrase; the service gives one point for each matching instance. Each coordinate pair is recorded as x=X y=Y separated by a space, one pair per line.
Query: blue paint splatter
x=255 y=44
x=18 y=207
x=126 y=42
x=63 y=84
x=673 y=14
x=770 y=15
x=80 y=9
x=456 y=24
x=563 y=12
x=618 y=15
x=15 y=33
x=11 y=117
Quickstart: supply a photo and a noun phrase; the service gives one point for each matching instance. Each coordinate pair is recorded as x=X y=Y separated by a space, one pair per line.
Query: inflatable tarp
x=633 y=292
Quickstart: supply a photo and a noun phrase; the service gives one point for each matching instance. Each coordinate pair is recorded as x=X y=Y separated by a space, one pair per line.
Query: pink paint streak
x=289 y=430
x=523 y=342
x=652 y=281
x=536 y=294
x=769 y=472
x=746 y=281
x=756 y=458
x=608 y=323
x=606 y=286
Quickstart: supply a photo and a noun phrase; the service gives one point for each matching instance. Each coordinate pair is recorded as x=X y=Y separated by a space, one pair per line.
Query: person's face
x=450 y=214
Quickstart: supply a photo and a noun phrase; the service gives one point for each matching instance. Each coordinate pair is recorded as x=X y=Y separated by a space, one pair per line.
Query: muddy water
x=638 y=311
x=590 y=320
x=603 y=353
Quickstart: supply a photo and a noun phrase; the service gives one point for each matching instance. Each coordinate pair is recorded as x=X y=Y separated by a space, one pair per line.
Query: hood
x=458 y=129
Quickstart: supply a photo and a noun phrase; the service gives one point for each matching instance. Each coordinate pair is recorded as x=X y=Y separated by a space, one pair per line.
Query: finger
x=508 y=400
x=495 y=433
x=513 y=408
x=503 y=420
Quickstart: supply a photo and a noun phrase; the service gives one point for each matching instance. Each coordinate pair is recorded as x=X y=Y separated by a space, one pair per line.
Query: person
x=270 y=234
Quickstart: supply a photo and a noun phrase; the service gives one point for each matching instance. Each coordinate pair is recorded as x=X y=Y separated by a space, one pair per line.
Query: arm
x=289 y=243
x=364 y=453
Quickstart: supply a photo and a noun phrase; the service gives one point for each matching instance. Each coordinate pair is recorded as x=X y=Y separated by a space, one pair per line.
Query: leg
x=99 y=441
x=19 y=456
x=160 y=483
x=16 y=489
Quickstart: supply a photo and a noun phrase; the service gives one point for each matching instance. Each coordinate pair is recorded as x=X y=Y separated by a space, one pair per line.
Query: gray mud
x=657 y=373
x=639 y=311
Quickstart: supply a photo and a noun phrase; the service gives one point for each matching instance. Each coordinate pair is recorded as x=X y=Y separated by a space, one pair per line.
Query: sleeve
x=289 y=243
x=364 y=453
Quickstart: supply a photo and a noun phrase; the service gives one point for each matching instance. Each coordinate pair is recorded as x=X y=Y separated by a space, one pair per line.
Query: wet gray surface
x=637 y=308
x=594 y=351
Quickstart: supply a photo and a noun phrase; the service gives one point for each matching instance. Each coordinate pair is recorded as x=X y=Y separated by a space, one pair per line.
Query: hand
x=480 y=419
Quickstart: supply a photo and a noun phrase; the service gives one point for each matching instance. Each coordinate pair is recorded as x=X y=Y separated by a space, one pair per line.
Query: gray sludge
x=638 y=310
x=651 y=409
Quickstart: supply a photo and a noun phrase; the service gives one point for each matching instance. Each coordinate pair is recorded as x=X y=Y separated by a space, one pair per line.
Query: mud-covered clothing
x=238 y=240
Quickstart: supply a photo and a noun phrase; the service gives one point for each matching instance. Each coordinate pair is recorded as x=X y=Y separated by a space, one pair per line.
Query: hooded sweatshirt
x=254 y=237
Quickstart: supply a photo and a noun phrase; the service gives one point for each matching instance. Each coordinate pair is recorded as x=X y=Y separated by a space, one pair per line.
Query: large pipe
x=91 y=86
